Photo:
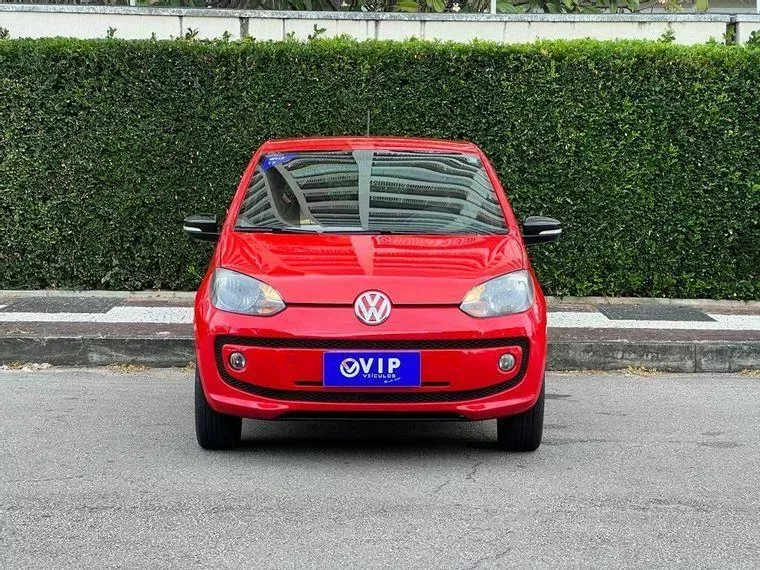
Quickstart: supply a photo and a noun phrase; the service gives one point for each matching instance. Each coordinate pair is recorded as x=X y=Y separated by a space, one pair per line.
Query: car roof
x=346 y=143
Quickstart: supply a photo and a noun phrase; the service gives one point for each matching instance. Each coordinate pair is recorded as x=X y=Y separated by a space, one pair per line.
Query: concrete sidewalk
x=155 y=329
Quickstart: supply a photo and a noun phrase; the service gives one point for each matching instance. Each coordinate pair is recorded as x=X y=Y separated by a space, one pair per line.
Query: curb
x=652 y=301
x=98 y=351
x=98 y=294
x=703 y=356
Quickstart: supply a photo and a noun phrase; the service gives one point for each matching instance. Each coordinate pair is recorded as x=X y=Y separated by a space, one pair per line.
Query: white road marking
x=595 y=320
x=565 y=319
x=159 y=315
x=169 y=315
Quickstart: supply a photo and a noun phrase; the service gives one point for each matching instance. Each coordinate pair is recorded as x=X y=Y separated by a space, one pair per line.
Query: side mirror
x=201 y=226
x=538 y=229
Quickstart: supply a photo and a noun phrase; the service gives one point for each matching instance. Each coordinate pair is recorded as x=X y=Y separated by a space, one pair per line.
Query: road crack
x=473 y=470
x=488 y=558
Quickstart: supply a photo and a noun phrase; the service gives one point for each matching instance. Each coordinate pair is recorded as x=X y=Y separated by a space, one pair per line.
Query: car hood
x=335 y=268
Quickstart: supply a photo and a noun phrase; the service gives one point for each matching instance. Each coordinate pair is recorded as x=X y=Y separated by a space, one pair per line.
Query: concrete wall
x=745 y=25
x=164 y=23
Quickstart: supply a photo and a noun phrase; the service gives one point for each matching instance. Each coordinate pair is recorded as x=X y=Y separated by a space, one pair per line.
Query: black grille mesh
x=362 y=344
x=369 y=396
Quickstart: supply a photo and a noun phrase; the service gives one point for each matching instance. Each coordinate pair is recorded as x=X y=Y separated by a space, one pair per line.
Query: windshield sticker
x=275 y=159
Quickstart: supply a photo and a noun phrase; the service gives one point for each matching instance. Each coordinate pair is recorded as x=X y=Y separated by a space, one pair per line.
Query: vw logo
x=372 y=307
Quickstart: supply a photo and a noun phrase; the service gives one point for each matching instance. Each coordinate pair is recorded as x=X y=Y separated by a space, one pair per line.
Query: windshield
x=371 y=191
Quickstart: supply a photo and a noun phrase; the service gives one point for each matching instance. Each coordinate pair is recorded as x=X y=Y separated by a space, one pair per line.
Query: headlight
x=510 y=293
x=238 y=293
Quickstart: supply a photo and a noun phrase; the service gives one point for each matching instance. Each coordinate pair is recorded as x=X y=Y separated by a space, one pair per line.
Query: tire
x=522 y=432
x=212 y=429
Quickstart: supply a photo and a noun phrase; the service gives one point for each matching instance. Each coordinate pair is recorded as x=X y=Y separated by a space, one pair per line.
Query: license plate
x=371 y=369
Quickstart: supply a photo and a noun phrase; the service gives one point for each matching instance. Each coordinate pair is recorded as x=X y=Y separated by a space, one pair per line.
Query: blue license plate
x=371 y=369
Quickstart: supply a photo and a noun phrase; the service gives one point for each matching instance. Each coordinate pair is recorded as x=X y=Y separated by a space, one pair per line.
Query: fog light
x=506 y=362
x=237 y=361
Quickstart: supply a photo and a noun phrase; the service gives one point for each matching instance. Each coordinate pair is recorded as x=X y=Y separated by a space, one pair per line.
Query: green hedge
x=648 y=152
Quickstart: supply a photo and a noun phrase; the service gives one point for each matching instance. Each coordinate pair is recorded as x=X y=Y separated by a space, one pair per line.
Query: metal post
x=493 y=6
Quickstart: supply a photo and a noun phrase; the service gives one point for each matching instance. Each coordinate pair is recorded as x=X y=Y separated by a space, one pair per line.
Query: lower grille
x=364 y=344
x=372 y=396
x=434 y=416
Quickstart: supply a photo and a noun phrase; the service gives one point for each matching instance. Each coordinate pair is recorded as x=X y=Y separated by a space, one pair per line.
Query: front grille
x=371 y=396
x=363 y=344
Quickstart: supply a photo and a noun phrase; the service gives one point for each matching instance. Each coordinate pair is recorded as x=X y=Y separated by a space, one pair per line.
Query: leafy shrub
x=648 y=152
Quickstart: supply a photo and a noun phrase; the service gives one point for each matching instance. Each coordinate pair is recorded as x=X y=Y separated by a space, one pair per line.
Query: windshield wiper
x=263 y=230
x=363 y=232
x=327 y=230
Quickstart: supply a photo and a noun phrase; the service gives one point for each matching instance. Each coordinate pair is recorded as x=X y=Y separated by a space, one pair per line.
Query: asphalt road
x=100 y=469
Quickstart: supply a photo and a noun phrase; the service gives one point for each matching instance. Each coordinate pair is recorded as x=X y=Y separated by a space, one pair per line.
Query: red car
x=370 y=278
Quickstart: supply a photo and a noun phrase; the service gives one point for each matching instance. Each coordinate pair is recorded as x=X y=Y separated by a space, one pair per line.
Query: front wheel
x=522 y=432
x=212 y=429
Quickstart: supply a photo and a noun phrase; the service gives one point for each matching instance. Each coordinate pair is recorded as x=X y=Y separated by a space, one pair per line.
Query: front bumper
x=283 y=375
